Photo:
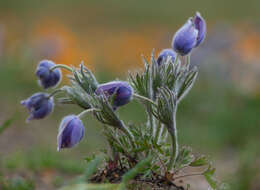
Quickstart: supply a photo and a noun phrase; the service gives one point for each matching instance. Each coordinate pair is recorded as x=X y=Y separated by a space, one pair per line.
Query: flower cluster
x=71 y=129
x=160 y=87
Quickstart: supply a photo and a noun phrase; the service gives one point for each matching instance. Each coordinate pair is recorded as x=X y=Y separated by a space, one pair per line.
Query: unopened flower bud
x=164 y=54
x=39 y=105
x=71 y=131
x=48 y=78
x=190 y=35
x=185 y=38
x=122 y=92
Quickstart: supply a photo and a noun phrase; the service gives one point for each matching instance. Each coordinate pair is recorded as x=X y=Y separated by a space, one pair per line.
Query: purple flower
x=39 y=105
x=190 y=35
x=200 y=25
x=122 y=92
x=164 y=54
x=71 y=131
x=48 y=78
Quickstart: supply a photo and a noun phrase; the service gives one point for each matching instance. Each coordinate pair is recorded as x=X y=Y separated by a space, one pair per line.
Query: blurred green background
x=220 y=117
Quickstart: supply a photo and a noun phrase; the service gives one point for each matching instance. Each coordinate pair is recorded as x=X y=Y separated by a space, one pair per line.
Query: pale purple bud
x=164 y=54
x=39 y=105
x=48 y=78
x=185 y=38
x=190 y=35
x=122 y=92
x=71 y=131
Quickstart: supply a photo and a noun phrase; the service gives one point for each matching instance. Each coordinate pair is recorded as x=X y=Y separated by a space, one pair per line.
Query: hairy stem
x=125 y=129
x=151 y=120
x=61 y=66
x=137 y=96
x=158 y=132
x=164 y=134
x=174 y=137
x=87 y=111
x=55 y=92
x=187 y=64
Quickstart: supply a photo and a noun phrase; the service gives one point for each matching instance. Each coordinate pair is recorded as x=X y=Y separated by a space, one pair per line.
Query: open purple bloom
x=48 y=78
x=164 y=54
x=122 y=92
x=39 y=105
x=190 y=35
x=71 y=131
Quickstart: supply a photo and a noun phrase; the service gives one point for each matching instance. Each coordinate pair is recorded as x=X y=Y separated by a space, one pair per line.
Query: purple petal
x=200 y=25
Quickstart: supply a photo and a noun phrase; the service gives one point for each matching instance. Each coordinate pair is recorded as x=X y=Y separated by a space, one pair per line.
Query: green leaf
x=136 y=170
x=91 y=169
x=185 y=158
x=6 y=124
x=201 y=161
x=209 y=175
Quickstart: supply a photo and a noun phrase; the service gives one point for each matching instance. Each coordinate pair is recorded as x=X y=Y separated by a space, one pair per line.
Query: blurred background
x=219 y=118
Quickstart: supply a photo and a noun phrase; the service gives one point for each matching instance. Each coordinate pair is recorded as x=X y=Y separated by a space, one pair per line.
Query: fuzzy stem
x=150 y=115
x=55 y=92
x=151 y=122
x=127 y=132
x=165 y=133
x=188 y=62
x=158 y=132
x=174 y=137
x=87 y=111
x=61 y=66
x=137 y=96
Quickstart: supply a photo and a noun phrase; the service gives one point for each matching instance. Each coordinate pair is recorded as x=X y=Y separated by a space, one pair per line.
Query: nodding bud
x=164 y=54
x=48 y=78
x=121 y=91
x=39 y=105
x=71 y=131
x=190 y=35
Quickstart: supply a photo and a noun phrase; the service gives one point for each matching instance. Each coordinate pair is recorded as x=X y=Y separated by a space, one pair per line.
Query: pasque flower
x=71 y=131
x=47 y=77
x=121 y=90
x=190 y=35
x=39 y=105
x=164 y=54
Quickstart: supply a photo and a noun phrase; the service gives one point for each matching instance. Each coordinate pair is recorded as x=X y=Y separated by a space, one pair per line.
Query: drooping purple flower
x=71 y=131
x=39 y=105
x=200 y=25
x=48 y=78
x=190 y=35
x=164 y=54
x=121 y=90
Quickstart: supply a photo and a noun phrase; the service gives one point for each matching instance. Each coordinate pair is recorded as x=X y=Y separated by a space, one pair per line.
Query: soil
x=114 y=175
